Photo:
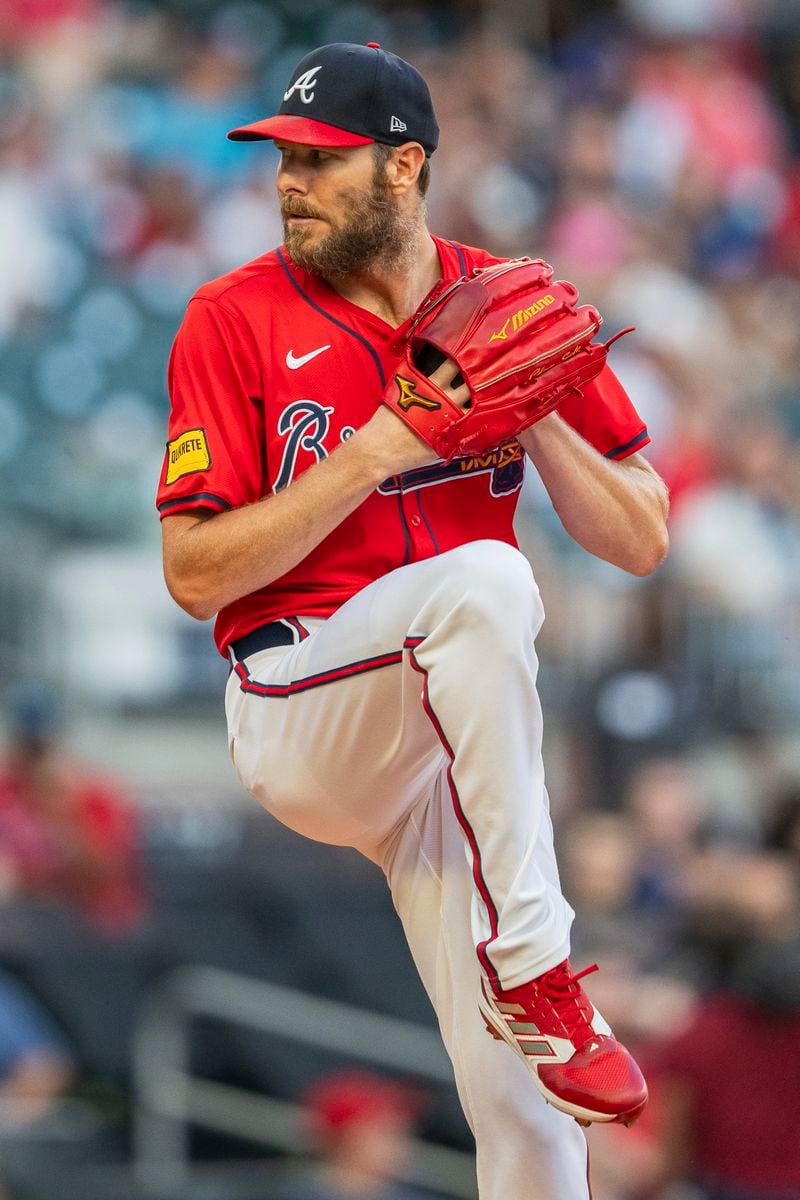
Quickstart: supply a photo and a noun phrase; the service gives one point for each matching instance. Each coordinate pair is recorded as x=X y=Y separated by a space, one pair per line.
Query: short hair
x=382 y=153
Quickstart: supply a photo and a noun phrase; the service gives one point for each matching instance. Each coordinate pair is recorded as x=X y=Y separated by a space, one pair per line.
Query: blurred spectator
x=728 y=1082
x=666 y=812
x=783 y=830
x=732 y=893
x=644 y=704
x=360 y=1126
x=36 y=1066
x=599 y=866
x=603 y=878
x=67 y=836
x=754 y=504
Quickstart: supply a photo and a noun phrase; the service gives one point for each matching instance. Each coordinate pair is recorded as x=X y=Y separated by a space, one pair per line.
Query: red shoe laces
x=570 y=1002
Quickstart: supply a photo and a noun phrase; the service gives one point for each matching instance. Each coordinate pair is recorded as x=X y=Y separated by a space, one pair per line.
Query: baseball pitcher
x=352 y=414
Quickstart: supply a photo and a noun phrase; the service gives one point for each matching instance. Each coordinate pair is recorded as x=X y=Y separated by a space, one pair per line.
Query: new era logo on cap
x=350 y=95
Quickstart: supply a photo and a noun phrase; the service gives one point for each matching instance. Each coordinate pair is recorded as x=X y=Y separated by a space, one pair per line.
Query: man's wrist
x=367 y=450
x=542 y=427
x=538 y=435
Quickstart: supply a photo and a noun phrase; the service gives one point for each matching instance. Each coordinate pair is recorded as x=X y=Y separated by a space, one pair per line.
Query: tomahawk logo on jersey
x=276 y=371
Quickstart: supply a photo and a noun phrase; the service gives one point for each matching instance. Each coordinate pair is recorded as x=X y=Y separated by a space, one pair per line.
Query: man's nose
x=291 y=182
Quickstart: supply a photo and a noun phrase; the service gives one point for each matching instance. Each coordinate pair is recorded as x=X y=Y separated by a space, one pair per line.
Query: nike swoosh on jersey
x=293 y=363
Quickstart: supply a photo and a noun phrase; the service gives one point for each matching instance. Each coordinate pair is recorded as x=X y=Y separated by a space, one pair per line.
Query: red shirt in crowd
x=68 y=837
x=740 y=1067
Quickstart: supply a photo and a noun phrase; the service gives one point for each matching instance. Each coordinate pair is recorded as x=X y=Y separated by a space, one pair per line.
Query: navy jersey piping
x=462 y=262
x=194 y=498
x=404 y=524
x=334 y=320
x=428 y=526
x=640 y=437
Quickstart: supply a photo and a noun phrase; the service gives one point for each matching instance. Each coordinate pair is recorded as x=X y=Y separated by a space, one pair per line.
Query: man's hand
x=394 y=443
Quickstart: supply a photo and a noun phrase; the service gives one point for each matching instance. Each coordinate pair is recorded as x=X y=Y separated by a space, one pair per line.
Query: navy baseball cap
x=349 y=95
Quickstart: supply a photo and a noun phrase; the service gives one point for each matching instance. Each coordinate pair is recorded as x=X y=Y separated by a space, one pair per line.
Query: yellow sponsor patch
x=186 y=454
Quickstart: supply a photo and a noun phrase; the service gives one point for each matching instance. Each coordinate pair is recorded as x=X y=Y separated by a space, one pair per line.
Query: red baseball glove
x=521 y=344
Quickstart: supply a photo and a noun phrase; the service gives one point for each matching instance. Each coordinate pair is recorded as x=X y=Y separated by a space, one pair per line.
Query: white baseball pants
x=408 y=726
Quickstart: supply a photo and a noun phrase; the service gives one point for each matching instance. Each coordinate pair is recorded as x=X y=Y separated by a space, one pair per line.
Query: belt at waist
x=275 y=633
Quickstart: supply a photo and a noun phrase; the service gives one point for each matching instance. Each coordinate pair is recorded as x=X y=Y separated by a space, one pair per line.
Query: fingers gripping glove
x=521 y=344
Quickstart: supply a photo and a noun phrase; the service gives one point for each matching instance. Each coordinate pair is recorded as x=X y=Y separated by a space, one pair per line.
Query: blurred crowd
x=650 y=149
x=693 y=917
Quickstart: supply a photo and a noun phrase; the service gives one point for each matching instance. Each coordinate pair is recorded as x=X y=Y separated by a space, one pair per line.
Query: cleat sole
x=630 y=1118
x=491 y=1029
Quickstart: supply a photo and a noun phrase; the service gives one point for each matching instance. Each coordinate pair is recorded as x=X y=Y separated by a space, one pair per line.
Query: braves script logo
x=303 y=84
x=306 y=424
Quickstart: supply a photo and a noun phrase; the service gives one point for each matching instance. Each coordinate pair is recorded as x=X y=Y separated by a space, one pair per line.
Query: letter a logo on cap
x=303 y=84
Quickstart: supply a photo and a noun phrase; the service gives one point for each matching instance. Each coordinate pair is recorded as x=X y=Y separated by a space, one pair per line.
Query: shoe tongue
x=581 y=1033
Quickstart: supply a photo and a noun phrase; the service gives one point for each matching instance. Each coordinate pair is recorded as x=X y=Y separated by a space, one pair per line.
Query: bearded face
x=366 y=229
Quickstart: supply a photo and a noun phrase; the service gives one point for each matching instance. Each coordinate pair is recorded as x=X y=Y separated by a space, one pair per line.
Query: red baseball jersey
x=270 y=371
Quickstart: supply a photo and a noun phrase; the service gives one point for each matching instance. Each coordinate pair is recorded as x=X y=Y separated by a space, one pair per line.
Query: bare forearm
x=615 y=510
x=211 y=562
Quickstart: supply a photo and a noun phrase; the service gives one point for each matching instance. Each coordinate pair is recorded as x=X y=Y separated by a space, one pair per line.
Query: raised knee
x=495 y=583
x=503 y=573
x=495 y=563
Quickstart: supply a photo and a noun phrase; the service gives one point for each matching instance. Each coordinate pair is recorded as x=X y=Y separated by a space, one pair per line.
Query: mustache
x=296 y=208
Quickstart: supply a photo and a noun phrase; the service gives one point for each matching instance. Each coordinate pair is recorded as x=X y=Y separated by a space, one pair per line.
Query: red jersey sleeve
x=215 y=455
x=604 y=415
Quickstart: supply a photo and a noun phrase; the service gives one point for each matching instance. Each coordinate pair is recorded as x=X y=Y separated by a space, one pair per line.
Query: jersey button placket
x=422 y=545
x=419 y=543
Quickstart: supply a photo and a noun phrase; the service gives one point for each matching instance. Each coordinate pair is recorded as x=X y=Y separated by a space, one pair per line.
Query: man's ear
x=404 y=166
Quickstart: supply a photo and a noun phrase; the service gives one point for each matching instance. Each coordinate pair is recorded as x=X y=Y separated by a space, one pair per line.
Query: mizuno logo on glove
x=409 y=395
x=519 y=318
